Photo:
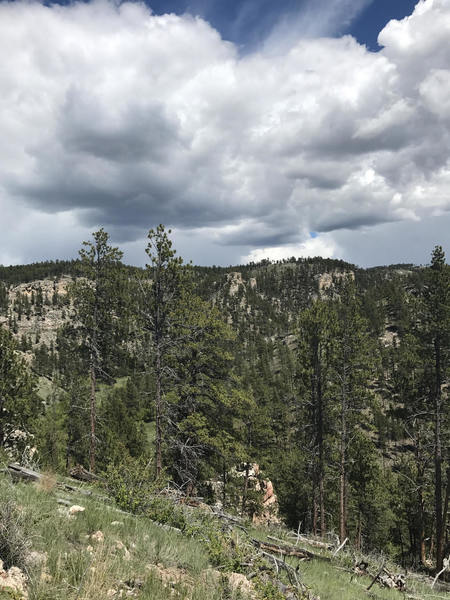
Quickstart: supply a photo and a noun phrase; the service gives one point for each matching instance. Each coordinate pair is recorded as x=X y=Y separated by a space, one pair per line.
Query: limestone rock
x=75 y=509
x=98 y=537
x=327 y=280
x=13 y=579
x=235 y=281
x=240 y=583
x=37 y=559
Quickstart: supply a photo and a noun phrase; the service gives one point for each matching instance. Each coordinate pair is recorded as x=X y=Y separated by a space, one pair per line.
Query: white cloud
x=112 y=116
x=322 y=245
x=313 y=19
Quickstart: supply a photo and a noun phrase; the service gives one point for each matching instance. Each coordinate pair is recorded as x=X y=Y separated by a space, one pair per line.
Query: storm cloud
x=113 y=116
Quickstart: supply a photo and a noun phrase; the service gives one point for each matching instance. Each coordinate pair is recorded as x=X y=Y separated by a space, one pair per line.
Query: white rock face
x=45 y=322
x=235 y=280
x=327 y=280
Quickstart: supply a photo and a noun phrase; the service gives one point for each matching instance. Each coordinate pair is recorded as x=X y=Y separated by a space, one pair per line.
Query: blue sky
x=244 y=130
x=248 y=22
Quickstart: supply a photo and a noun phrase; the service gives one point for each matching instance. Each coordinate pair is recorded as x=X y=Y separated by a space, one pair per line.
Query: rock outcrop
x=13 y=580
x=235 y=281
x=328 y=280
x=46 y=309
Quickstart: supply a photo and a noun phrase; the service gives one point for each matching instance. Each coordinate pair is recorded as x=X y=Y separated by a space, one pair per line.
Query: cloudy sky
x=253 y=128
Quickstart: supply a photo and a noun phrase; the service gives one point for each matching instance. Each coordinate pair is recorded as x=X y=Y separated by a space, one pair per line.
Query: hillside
x=62 y=540
x=320 y=372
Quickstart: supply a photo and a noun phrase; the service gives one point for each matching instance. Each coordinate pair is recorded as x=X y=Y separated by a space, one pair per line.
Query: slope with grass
x=101 y=552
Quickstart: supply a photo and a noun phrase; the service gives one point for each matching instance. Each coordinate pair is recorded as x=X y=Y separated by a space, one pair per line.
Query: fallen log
x=311 y=542
x=284 y=550
x=340 y=547
x=20 y=472
x=290 y=571
x=81 y=474
x=446 y=564
x=236 y=522
x=375 y=577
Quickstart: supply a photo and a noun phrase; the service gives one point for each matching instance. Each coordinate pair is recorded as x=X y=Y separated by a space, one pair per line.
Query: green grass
x=150 y=432
x=78 y=568
x=44 y=388
x=104 y=390
x=166 y=563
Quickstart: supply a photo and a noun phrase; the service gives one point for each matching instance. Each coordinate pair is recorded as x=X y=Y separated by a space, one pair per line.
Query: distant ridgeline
x=15 y=274
x=271 y=271
x=265 y=297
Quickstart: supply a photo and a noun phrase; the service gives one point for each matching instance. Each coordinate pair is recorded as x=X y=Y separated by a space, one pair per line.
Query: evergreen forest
x=333 y=379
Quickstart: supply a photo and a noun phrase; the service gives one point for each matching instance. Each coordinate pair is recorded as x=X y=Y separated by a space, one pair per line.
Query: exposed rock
x=41 y=323
x=269 y=513
x=13 y=579
x=269 y=500
x=252 y=283
x=75 y=509
x=327 y=280
x=390 y=337
x=37 y=559
x=235 y=280
x=172 y=575
x=239 y=582
x=45 y=577
x=119 y=545
x=98 y=537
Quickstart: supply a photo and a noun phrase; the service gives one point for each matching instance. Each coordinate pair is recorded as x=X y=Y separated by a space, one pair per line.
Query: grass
x=134 y=549
x=44 y=388
x=155 y=562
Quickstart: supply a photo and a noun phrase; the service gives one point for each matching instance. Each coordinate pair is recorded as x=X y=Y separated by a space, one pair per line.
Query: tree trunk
x=421 y=524
x=343 y=473
x=320 y=435
x=420 y=500
x=158 y=408
x=358 y=532
x=438 y=459
x=2 y=430
x=92 y=438
x=224 y=478
x=342 y=511
x=422 y=546
x=244 y=491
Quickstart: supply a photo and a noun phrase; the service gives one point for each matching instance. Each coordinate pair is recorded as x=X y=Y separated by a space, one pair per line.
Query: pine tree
x=437 y=300
x=95 y=300
x=159 y=298
x=316 y=332
x=18 y=403
x=353 y=367
x=205 y=398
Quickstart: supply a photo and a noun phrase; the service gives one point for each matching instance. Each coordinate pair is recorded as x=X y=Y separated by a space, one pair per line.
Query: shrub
x=132 y=484
x=134 y=488
x=14 y=542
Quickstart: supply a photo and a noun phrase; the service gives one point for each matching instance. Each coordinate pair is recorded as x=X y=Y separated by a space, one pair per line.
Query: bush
x=132 y=483
x=14 y=542
x=133 y=486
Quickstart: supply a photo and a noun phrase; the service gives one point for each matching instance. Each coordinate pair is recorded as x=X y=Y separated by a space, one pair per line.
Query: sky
x=253 y=129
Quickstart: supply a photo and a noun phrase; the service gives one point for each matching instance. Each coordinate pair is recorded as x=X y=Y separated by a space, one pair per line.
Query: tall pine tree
x=96 y=298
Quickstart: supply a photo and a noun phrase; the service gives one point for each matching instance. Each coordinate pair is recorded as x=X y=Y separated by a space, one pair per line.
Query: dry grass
x=47 y=482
